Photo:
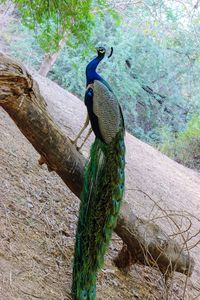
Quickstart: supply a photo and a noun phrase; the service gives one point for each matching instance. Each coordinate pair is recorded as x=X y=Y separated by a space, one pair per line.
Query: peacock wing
x=107 y=110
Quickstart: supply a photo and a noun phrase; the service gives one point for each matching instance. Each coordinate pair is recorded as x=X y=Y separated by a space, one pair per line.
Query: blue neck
x=91 y=73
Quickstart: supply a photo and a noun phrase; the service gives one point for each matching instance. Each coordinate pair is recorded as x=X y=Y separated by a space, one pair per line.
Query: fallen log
x=21 y=99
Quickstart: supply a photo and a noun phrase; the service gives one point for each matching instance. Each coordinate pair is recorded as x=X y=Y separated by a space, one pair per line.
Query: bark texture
x=50 y=59
x=21 y=99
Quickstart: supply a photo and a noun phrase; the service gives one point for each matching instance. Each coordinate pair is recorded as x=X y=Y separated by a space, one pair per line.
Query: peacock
x=103 y=186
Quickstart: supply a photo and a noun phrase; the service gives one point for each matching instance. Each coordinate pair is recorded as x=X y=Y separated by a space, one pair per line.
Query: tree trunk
x=50 y=59
x=6 y=10
x=21 y=99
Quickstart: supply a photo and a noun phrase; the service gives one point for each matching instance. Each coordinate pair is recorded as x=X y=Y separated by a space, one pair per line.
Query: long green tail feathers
x=100 y=204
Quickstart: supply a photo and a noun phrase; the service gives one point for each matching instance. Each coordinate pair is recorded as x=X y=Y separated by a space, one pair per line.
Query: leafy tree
x=185 y=147
x=50 y=19
x=57 y=22
x=154 y=70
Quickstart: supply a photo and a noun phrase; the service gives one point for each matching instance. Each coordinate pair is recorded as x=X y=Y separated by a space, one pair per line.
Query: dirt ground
x=38 y=215
x=37 y=229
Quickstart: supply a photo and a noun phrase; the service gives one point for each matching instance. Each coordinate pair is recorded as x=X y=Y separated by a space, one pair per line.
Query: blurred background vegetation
x=154 y=71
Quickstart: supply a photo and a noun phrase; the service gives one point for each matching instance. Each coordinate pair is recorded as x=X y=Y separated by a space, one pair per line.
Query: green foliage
x=24 y=45
x=185 y=147
x=154 y=70
x=193 y=129
x=51 y=19
x=188 y=144
x=152 y=66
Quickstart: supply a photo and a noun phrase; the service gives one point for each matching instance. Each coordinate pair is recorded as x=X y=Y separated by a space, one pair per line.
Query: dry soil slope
x=171 y=185
x=38 y=212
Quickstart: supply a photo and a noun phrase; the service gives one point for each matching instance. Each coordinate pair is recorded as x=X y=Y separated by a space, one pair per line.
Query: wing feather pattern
x=107 y=110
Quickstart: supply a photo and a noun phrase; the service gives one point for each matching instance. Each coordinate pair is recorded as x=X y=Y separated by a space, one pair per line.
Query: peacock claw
x=80 y=133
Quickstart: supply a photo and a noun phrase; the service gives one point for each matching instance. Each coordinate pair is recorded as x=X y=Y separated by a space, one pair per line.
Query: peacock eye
x=121 y=187
x=101 y=50
x=122 y=145
x=84 y=295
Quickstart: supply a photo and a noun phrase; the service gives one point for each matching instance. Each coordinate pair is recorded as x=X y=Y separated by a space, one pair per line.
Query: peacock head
x=101 y=51
x=91 y=74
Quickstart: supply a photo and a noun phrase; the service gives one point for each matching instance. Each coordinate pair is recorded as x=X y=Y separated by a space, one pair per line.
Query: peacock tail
x=102 y=191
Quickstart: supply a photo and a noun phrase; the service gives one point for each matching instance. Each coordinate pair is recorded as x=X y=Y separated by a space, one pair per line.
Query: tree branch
x=161 y=99
x=21 y=99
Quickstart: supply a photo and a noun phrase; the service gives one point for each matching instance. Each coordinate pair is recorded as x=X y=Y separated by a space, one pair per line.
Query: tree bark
x=50 y=59
x=21 y=99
